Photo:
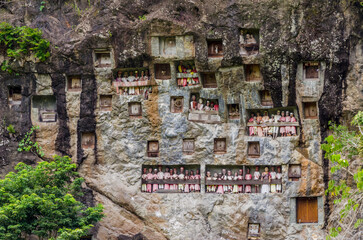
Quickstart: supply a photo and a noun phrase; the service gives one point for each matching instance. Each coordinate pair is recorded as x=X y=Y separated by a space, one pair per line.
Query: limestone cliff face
x=290 y=33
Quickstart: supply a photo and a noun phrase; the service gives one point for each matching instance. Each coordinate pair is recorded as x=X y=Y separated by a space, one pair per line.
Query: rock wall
x=290 y=33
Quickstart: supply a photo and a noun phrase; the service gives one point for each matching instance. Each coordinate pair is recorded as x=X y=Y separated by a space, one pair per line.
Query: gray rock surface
x=291 y=32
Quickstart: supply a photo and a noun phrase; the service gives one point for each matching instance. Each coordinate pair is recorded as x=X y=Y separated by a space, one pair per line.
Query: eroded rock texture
x=291 y=32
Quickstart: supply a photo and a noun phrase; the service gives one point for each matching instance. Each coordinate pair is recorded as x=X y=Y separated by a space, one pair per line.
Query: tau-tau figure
x=265 y=126
x=175 y=177
x=186 y=177
x=191 y=186
x=292 y=128
x=149 y=177
x=181 y=177
x=132 y=83
x=220 y=189
x=187 y=75
x=193 y=103
x=155 y=176
x=169 y=176
x=256 y=177
x=208 y=177
x=203 y=105
x=144 y=177
x=197 y=177
x=229 y=182
x=248 y=177
x=161 y=177
x=240 y=177
x=278 y=176
x=248 y=44
x=266 y=178
x=273 y=176
x=200 y=105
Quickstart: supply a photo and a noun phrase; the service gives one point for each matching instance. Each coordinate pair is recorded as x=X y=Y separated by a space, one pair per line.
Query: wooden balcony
x=279 y=124
x=241 y=182
x=135 y=83
x=204 y=117
x=170 y=181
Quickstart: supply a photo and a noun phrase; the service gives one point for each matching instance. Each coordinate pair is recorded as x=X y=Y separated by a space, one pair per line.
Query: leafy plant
x=27 y=145
x=40 y=201
x=10 y=129
x=20 y=42
x=42 y=3
x=142 y=18
x=342 y=148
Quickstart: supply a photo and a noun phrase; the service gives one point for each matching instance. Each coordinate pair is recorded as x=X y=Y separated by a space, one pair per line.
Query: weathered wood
x=135 y=83
x=282 y=124
x=167 y=191
x=171 y=181
x=241 y=182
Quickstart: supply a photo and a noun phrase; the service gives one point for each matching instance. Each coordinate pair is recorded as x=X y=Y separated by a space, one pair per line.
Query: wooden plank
x=307 y=210
x=171 y=181
x=313 y=210
x=301 y=210
x=284 y=124
x=241 y=182
x=167 y=191
x=135 y=83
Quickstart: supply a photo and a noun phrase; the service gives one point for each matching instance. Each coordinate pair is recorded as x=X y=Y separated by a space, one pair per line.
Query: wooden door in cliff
x=307 y=210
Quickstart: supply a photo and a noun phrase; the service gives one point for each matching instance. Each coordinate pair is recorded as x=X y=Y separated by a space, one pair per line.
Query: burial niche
x=311 y=71
x=14 y=95
x=135 y=109
x=209 y=80
x=249 y=42
x=233 y=111
x=266 y=99
x=306 y=210
x=153 y=148
x=294 y=172
x=203 y=110
x=215 y=48
x=310 y=110
x=106 y=103
x=170 y=179
x=172 y=46
x=167 y=46
x=220 y=145
x=88 y=140
x=234 y=179
x=187 y=74
x=44 y=106
x=253 y=73
x=253 y=231
x=132 y=81
x=253 y=149
x=274 y=122
x=188 y=146
x=176 y=104
x=74 y=84
x=102 y=58
x=162 y=71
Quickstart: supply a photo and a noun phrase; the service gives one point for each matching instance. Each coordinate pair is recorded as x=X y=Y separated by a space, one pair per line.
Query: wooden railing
x=279 y=124
x=135 y=83
x=171 y=181
x=211 y=182
x=241 y=182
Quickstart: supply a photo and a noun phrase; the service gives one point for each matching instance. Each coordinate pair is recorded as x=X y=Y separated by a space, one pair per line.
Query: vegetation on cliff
x=344 y=149
x=20 y=42
x=40 y=201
